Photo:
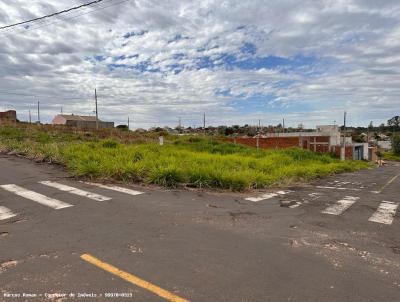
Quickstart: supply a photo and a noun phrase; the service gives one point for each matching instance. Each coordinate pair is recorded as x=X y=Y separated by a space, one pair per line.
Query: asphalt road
x=337 y=239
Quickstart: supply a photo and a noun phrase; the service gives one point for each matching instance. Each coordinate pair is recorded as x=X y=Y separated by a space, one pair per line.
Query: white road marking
x=337 y=188
x=315 y=195
x=39 y=198
x=267 y=196
x=297 y=204
x=262 y=197
x=388 y=183
x=385 y=213
x=115 y=188
x=75 y=191
x=5 y=213
x=340 y=206
x=283 y=192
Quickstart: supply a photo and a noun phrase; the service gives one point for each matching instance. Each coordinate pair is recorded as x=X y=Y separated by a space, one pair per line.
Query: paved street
x=336 y=239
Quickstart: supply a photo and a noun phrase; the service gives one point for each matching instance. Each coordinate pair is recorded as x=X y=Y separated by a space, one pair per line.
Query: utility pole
x=97 y=114
x=61 y=110
x=38 y=111
x=283 y=124
x=343 y=149
x=128 y=123
x=204 y=123
x=180 y=124
x=30 y=117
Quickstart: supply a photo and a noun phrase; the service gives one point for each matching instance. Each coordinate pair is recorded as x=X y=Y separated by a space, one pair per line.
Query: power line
x=66 y=16
x=51 y=15
x=72 y=17
x=42 y=96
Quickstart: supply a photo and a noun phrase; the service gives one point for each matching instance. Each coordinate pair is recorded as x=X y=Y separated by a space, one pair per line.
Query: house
x=80 y=121
x=325 y=139
x=384 y=145
x=7 y=117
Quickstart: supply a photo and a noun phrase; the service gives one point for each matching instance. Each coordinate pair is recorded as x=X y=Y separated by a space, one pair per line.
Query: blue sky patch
x=248 y=48
x=133 y=34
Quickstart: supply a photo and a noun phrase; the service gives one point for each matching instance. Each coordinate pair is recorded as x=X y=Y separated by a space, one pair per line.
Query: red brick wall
x=8 y=116
x=348 y=152
x=286 y=142
x=268 y=143
x=321 y=139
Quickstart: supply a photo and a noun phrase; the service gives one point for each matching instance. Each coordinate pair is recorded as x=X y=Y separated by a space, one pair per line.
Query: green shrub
x=12 y=133
x=110 y=143
x=396 y=144
x=43 y=138
x=166 y=176
x=391 y=156
x=137 y=156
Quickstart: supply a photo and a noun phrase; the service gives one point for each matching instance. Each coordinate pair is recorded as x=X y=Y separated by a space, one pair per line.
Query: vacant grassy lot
x=391 y=156
x=193 y=161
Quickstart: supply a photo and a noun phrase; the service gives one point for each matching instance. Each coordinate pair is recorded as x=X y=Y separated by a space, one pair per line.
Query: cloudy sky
x=237 y=61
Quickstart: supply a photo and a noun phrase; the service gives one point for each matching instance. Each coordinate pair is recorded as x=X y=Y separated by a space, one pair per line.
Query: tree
x=394 y=121
x=229 y=131
x=123 y=127
x=396 y=143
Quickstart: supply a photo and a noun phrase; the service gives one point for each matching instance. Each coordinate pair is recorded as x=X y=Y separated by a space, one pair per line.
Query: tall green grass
x=202 y=164
x=391 y=156
x=193 y=161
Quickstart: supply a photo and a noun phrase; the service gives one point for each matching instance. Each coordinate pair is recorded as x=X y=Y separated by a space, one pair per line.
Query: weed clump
x=109 y=143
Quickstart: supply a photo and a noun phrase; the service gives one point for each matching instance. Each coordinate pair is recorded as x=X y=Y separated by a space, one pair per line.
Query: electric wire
x=45 y=23
x=51 y=15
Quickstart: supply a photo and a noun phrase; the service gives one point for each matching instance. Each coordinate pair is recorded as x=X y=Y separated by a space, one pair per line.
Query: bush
x=391 y=156
x=110 y=144
x=396 y=144
x=167 y=177
x=122 y=127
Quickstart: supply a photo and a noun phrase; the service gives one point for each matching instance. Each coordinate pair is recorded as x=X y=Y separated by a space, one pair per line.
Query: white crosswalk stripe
x=341 y=205
x=39 y=198
x=385 y=213
x=5 y=213
x=337 y=188
x=115 y=188
x=267 y=196
x=75 y=191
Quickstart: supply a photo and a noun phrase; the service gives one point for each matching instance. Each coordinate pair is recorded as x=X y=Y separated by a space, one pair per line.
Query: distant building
x=7 y=117
x=80 y=121
x=326 y=139
x=385 y=145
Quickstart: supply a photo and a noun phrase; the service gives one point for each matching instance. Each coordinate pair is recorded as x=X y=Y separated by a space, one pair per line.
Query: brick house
x=80 y=121
x=326 y=139
x=8 y=117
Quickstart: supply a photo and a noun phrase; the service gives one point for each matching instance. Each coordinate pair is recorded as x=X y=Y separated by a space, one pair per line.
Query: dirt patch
x=238 y=215
x=338 y=252
x=135 y=249
x=7 y=265
x=396 y=249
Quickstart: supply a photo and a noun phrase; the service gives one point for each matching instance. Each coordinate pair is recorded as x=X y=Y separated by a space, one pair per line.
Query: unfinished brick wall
x=306 y=142
x=8 y=116
x=348 y=152
x=267 y=143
